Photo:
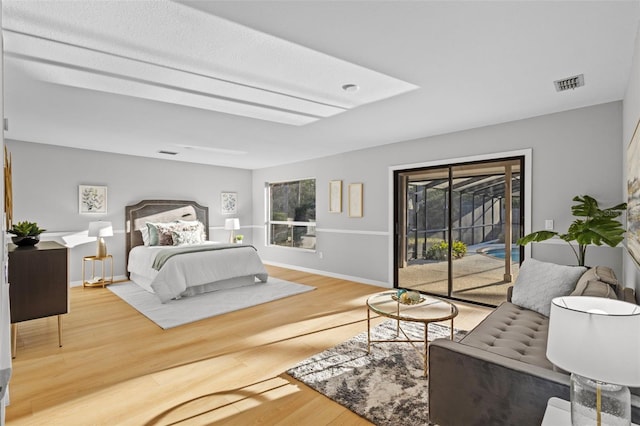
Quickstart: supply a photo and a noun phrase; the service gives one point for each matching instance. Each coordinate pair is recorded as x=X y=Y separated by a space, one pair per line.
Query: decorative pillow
x=152 y=229
x=594 y=288
x=161 y=234
x=181 y=238
x=539 y=282
x=165 y=232
x=195 y=225
x=145 y=235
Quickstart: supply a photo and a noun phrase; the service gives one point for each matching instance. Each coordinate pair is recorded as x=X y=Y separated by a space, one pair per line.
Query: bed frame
x=160 y=211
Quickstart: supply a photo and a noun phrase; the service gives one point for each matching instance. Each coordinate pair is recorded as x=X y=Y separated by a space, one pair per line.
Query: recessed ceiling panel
x=169 y=52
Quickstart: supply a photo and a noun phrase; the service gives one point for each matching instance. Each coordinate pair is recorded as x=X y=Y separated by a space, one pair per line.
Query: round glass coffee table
x=430 y=309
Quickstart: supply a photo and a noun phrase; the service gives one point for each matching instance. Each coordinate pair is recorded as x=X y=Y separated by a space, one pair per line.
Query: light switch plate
x=548 y=224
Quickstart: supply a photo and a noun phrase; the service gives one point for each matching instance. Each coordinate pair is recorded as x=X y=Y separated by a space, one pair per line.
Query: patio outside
x=477 y=209
x=477 y=276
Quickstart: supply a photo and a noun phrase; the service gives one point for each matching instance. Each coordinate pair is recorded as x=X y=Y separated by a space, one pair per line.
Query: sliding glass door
x=457 y=226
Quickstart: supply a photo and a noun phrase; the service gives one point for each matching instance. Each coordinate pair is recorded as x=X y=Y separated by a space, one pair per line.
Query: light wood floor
x=119 y=368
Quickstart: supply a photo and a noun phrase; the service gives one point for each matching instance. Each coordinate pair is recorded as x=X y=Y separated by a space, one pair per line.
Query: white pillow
x=539 y=282
x=145 y=235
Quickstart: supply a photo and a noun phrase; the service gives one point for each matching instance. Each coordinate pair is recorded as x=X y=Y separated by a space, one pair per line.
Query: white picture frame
x=92 y=199
x=229 y=202
x=355 y=199
x=335 y=196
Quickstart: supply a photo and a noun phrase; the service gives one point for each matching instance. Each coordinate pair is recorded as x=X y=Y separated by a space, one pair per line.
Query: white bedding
x=192 y=269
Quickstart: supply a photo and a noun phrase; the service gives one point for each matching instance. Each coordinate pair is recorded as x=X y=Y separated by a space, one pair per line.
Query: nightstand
x=101 y=280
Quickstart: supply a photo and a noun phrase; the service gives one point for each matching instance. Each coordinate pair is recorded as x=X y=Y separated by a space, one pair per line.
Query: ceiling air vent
x=167 y=152
x=569 y=83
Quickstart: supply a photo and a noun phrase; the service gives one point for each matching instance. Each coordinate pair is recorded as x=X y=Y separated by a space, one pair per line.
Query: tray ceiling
x=259 y=83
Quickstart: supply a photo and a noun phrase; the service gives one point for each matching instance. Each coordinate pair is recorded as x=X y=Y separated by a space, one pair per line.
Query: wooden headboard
x=137 y=215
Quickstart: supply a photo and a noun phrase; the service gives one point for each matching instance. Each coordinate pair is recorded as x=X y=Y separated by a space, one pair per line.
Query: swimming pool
x=500 y=254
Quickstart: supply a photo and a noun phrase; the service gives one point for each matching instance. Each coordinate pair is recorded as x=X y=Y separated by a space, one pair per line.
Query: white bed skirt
x=145 y=283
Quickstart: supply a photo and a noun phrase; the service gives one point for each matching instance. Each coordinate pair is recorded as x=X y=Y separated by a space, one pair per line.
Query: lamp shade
x=596 y=337
x=100 y=229
x=232 y=224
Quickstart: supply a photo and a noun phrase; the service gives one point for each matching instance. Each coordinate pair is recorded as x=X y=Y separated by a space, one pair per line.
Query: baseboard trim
x=329 y=274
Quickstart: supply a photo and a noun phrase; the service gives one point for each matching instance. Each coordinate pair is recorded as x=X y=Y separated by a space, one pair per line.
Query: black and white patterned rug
x=387 y=386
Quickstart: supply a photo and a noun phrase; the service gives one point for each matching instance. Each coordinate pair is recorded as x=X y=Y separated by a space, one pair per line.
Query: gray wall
x=574 y=152
x=630 y=118
x=45 y=190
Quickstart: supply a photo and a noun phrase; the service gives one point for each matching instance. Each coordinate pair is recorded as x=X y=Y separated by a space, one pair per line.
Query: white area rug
x=190 y=309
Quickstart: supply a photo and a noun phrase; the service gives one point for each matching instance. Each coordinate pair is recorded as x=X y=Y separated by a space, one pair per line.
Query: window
x=292 y=214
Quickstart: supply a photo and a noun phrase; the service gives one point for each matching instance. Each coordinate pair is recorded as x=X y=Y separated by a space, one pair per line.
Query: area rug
x=190 y=309
x=387 y=386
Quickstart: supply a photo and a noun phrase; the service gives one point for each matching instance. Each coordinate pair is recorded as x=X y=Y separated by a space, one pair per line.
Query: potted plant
x=26 y=233
x=239 y=238
x=593 y=225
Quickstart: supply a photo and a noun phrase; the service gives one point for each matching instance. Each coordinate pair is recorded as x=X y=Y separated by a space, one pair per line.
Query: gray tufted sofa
x=499 y=374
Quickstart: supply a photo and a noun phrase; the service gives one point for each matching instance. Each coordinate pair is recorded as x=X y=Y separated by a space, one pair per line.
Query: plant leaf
x=536 y=237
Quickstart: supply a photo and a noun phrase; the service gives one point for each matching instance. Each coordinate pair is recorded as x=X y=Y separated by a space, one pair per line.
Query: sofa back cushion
x=539 y=282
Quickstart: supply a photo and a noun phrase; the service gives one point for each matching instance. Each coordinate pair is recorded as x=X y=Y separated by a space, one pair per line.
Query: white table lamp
x=231 y=225
x=100 y=230
x=597 y=340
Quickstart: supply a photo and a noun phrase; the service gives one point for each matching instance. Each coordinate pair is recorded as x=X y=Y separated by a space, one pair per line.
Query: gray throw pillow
x=539 y=282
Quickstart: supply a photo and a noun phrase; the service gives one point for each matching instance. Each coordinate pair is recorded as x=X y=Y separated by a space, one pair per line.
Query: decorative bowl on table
x=408 y=297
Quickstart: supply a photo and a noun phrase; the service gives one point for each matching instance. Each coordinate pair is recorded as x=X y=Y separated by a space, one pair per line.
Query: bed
x=192 y=266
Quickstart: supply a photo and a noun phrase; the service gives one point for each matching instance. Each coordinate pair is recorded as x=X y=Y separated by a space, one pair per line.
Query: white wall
x=630 y=118
x=45 y=190
x=574 y=152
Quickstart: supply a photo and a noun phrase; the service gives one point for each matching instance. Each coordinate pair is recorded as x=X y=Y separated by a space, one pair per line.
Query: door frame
x=526 y=153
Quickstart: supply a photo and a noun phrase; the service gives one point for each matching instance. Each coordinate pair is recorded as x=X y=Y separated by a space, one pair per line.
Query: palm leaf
x=536 y=237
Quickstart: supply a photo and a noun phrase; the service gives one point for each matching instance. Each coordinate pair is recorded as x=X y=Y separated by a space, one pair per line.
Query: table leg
x=426 y=349
x=368 y=331
x=60 y=330
x=451 y=329
x=14 y=339
x=398 y=319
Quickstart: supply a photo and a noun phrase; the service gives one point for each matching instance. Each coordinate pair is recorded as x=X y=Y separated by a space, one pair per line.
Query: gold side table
x=101 y=280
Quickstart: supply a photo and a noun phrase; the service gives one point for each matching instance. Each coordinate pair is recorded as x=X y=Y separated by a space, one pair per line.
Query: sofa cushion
x=513 y=332
x=539 y=282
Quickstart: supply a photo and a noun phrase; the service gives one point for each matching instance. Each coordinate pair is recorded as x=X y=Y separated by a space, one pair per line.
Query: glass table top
x=430 y=309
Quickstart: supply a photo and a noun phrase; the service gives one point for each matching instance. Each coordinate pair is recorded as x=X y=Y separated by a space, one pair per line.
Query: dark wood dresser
x=38 y=284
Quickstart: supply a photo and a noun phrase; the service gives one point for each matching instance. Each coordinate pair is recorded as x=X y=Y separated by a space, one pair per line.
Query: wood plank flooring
x=118 y=368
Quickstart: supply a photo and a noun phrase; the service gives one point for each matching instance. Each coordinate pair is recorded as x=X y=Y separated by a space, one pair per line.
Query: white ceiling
x=136 y=77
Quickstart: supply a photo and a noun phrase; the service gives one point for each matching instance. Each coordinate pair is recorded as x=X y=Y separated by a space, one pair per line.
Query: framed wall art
x=633 y=195
x=335 y=196
x=229 y=202
x=92 y=199
x=355 y=199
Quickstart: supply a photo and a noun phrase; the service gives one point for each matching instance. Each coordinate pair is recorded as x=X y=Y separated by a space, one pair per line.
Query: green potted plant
x=593 y=225
x=239 y=238
x=26 y=233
